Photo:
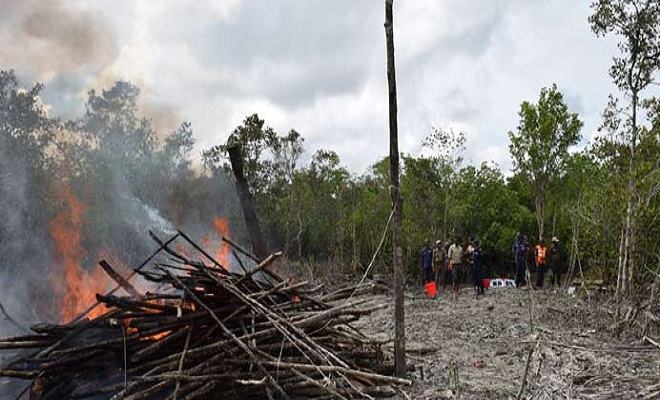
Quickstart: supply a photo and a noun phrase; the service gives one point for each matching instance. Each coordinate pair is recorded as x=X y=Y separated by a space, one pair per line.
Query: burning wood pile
x=206 y=332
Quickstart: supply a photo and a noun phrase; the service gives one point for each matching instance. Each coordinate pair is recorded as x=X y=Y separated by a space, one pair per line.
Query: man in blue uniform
x=520 y=257
x=427 y=262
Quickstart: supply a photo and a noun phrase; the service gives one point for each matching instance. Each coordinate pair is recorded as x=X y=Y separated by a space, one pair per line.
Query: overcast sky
x=317 y=66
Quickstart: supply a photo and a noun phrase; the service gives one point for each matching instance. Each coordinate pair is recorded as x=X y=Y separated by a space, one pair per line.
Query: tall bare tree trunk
x=626 y=265
x=397 y=259
x=249 y=212
x=340 y=229
x=575 y=233
x=554 y=221
x=445 y=216
x=539 y=211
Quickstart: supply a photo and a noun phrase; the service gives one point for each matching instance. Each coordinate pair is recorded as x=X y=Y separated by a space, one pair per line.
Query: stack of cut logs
x=206 y=332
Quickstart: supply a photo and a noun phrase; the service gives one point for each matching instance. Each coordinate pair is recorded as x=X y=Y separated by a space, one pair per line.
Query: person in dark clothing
x=520 y=257
x=554 y=262
x=478 y=268
x=529 y=258
x=427 y=262
x=468 y=256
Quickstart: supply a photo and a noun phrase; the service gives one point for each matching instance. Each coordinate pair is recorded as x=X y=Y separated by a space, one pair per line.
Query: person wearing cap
x=554 y=262
x=455 y=256
x=439 y=256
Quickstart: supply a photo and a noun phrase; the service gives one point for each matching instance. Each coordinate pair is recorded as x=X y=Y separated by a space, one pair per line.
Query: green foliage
x=25 y=129
x=634 y=70
x=323 y=186
x=421 y=187
x=638 y=23
x=488 y=209
x=539 y=147
x=26 y=173
x=177 y=149
x=446 y=147
x=113 y=122
x=256 y=143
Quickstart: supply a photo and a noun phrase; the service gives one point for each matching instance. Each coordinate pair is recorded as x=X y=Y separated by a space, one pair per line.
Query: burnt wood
x=250 y=340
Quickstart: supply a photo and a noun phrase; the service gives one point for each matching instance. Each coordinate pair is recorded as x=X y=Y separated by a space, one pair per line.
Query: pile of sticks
x=206 y=332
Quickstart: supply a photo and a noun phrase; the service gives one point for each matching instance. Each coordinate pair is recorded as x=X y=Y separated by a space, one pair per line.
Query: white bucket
x=502 y=283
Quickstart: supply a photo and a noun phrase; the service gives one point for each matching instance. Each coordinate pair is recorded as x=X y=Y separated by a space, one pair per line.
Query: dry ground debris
x=478 y=348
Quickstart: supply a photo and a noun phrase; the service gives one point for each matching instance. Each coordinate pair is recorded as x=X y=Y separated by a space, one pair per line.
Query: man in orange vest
x=540 y=257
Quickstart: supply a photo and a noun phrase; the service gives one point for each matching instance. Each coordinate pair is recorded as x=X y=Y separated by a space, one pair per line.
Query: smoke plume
x=49 y=38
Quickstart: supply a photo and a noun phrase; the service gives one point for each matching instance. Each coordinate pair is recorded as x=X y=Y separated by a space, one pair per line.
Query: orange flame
x=182 y=249
x=158 y=336
x=222 y=229
x=75 y=287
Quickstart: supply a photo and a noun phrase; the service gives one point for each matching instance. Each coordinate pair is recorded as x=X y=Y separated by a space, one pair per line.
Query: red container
x=486 y=283
x=431 y=289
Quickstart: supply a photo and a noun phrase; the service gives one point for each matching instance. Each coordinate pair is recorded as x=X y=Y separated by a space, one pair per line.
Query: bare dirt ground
x=478 y=349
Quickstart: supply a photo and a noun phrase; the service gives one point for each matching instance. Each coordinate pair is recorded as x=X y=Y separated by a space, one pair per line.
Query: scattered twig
x=183 y=356
x=651 y=341
x=523 y=383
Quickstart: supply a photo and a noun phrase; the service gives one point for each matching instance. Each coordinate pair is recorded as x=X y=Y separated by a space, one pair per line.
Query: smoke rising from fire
x=22 y=249
x=68 y=204
x=49 y=38
x=52 y=235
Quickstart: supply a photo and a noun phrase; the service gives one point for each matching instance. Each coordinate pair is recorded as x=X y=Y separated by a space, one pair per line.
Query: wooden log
x=110 y=343
x=24 y=338
x=126 y=303
x=70 y=360
x=269 y=260
x=97 y=391
x=116 y=276
x=202 y=391
x=24 y=344
x=77 y=328
x=150 y=392
x=12 y=373
x=157 y=346
x=239 y=249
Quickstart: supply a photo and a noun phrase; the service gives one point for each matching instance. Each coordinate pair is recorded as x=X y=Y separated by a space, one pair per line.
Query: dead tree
x=247 y=204
x=397 y=202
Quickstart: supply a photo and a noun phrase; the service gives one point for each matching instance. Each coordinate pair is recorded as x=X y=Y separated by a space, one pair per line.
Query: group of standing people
x=448 y=263
x=543 y=258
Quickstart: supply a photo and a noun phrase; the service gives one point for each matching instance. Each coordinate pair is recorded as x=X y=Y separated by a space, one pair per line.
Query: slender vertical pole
x=397 y=256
